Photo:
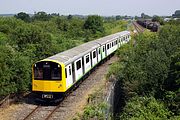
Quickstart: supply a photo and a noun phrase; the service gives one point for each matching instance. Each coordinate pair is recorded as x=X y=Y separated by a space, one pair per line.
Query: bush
x=145 y=108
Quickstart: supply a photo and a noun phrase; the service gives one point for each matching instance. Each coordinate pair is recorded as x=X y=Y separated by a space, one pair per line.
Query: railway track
x=46 y=110
x=138 y=28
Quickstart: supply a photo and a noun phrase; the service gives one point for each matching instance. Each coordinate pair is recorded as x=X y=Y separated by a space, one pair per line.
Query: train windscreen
x=47 y=71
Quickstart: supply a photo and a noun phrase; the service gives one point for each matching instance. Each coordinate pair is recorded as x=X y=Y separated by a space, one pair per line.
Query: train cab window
x=38 y=73
x=47 y=71
x=87 y=59
x=108 y=46
x=69 y=70
x=78 y=64
x=94 y=54
x=55 y=74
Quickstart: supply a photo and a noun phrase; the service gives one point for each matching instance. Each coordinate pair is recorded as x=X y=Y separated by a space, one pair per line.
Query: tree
x=118 y=17
x=94 y=23
x=158 y=19
x=62 y=24
x=144 y=108
x=6 y=82
x=41 y=16
x=23 y=16
x=69 y=17
x=144 y=16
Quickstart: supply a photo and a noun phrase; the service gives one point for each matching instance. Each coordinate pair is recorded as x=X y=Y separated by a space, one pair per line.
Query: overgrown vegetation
x=26 y=39
x=149 y=72
x=96 y=107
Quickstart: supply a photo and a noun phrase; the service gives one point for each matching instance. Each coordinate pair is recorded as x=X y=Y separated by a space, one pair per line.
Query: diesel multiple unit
x=54 y=76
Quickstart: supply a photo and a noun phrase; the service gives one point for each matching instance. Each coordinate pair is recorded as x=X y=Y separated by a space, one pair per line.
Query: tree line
x=25 y=39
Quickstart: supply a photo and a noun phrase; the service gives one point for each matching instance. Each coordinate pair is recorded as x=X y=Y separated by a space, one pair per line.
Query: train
x=54 y=76
x=153 y=26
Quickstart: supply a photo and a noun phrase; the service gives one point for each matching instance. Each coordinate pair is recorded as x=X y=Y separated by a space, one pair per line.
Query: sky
x=89 y=7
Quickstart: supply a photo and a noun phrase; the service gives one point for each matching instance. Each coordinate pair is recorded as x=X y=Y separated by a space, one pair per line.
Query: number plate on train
x=47 y=96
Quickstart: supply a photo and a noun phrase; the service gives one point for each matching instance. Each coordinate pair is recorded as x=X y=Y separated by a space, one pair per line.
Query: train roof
x=109 y=38
x=73 y=54
x=70 y=55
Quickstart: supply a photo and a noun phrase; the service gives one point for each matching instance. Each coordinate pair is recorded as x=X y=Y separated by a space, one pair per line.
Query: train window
x=116 y=42
x=69 y=70
x=38 y=73
x=47 y=71
x=87 y=59
x=94 y=54
x=112 y=44
x=108 y=46
x=78 y=64
x=99 y=51
x=103 y=48
x=66 y=72
x=55 y=74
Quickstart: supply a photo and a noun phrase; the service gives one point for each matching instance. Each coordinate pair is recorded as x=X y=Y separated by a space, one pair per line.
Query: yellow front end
x=48 y=86
x=42 y=85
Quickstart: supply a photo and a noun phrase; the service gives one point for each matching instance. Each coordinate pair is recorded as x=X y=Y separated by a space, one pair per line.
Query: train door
x=108 y=48
x=94 y=57
x=115 y=45
x=122 y=41
x=99 y=54
x=119 y=42
x=78 y=69
x=126 y=39
x=103 y=54
x=87 y=62
x=69 y=76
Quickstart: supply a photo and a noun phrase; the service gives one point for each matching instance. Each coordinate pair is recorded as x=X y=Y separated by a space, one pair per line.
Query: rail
x=138 y=28
x=31 y=113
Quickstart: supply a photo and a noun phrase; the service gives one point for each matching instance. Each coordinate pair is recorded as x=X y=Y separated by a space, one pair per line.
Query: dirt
x=72 y=105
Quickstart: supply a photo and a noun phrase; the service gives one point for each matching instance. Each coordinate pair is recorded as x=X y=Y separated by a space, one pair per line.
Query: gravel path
x=69 y=107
